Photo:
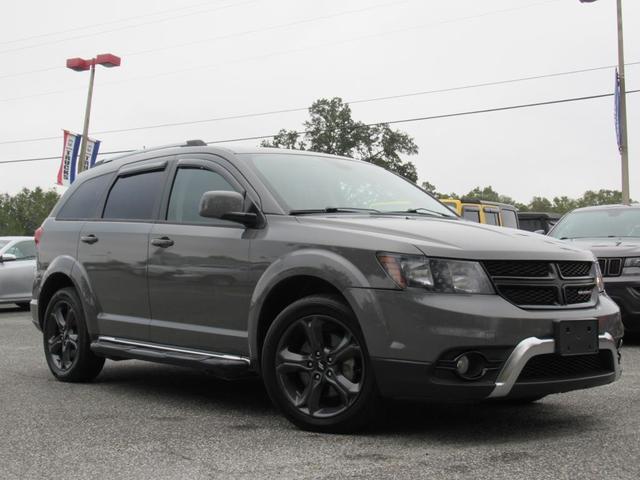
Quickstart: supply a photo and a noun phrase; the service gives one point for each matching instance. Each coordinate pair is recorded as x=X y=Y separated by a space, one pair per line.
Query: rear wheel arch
x=54 y=282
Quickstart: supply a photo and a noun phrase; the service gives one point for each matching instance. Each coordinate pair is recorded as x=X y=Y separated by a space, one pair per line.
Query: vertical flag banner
x=617 y=111
x=92 y=153
x=67 y=170
x=70 y=162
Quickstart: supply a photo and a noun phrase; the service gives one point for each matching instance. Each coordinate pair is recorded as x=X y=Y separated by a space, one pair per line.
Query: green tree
x=430 y=187
x=24 y=212
x=563 y=204
x=331 y=129
x=601 y=197
x=540 y=204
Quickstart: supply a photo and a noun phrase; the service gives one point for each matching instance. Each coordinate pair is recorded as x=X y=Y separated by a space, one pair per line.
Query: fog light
x=462 y=365
x=471 y=366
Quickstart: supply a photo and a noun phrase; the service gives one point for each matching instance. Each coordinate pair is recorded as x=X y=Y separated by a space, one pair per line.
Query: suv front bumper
x=531 y=347
x=413 y=336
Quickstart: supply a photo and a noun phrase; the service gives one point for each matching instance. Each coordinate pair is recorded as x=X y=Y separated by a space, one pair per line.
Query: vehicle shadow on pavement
x=486 y=422
x=192 y=388
x=631 y=340
x=10 y=309
x=200 y=393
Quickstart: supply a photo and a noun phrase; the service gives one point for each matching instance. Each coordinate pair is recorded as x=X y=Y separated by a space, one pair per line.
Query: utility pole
x=624 y=143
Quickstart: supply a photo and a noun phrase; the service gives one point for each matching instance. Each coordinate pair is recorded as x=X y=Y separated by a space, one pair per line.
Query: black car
x=541 y=222
x=612 y=233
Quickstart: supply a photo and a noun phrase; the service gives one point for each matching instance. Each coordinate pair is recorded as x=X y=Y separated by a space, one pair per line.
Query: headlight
x=435 y=274
x=631 y=266
x=599 y=278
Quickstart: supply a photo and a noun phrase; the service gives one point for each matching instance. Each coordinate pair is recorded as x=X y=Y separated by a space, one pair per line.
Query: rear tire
x=66 y=340
x=316 y=367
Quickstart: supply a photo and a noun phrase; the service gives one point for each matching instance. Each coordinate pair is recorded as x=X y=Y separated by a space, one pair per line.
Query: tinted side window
x=23 y=250
x=509 y=218
x=134 y=197
x=531 y=224
x=491 y=217
x=188 y=187
x=83 y=203
x=471 y=214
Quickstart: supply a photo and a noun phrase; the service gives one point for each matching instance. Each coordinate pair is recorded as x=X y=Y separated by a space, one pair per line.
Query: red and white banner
x=69 y=164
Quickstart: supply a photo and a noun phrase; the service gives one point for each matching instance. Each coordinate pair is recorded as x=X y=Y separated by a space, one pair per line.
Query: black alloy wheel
x=316 y=367
x=66 y=339
x=320 y=366
x=62 y=335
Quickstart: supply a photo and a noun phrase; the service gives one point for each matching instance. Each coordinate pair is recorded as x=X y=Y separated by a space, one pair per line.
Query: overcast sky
x=184 y=61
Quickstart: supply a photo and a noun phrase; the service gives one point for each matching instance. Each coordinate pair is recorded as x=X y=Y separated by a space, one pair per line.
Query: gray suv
x=336 y=281
x=612 y=233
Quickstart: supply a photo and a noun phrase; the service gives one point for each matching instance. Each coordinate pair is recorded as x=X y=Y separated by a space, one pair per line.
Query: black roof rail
x=188 y=143
x=194 y=143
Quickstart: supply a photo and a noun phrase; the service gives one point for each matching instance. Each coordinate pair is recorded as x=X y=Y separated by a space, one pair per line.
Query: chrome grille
x=580 y=294
x=543 y=284
x=530 y=295
x=611 y=266
x=501 y=268
x=575 y=269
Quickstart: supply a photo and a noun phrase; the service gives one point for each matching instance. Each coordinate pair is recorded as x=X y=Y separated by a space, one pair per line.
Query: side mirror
x=7 y=257
x=226 y=206
x=541 y=232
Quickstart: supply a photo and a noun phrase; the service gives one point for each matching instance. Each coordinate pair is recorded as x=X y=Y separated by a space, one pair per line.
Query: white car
x=17 y=270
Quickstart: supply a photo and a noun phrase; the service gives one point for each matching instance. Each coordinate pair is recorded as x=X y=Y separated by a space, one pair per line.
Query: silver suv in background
x=333 y=279
x=612 y=233
x=17 y=270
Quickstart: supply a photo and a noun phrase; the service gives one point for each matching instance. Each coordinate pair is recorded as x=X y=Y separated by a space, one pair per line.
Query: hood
x=444 y=238
x=609 y=247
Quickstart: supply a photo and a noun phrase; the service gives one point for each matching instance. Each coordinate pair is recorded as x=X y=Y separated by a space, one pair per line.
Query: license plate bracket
x=576 y=337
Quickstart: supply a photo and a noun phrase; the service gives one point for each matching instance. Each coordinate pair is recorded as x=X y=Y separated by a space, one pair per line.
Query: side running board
x=221 y=365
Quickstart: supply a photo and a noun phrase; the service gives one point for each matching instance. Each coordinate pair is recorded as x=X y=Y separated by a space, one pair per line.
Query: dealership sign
x=70 y=163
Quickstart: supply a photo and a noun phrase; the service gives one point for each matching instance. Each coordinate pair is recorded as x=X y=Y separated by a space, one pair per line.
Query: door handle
x=162 y=242
x=90 y=239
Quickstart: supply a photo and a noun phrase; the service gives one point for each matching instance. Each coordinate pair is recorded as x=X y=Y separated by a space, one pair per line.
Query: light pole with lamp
x=79 y=65
x=624 y=144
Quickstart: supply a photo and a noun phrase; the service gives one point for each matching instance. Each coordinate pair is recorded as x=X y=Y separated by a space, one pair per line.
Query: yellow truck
x=484 y=211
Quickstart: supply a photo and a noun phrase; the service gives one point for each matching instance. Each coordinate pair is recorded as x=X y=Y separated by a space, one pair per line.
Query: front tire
x=316 y=367
x=66 y=340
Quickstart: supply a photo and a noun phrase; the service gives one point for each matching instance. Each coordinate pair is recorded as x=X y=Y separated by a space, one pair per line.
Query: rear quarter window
x=83 y=202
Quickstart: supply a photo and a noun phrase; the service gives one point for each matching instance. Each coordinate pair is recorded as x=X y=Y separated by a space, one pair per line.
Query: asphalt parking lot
x=140 y=420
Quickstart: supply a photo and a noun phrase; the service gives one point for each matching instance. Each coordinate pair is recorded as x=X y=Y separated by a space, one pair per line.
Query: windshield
x=3 y=243
x=304 y=182
x=614 y=222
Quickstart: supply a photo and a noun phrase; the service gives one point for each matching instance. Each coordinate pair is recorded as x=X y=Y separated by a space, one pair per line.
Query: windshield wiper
x=311 y=211
x=422 y=211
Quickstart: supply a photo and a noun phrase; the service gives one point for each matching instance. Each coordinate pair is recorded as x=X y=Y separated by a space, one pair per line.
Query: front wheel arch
x=283 y=294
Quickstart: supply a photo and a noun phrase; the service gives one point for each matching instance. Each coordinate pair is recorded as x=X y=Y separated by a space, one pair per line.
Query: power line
x=101 y=24
x=391 y=122
x=267 y=29
x=182 y=71
x=302 y=109
x=230 y=35
x=127 y=27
